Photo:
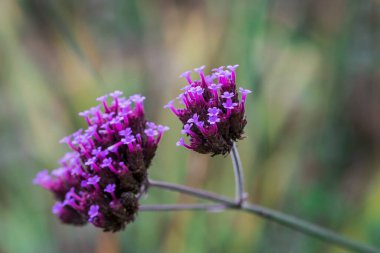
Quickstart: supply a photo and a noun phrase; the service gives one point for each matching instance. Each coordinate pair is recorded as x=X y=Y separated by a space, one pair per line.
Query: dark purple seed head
x=213 y=117
x=101 y=179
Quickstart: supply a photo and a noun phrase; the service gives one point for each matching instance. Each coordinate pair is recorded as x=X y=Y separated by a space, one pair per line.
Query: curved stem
x=184 y=207
x=238 y=170
x=308 y=228
x=266 y=213
x=191 y=191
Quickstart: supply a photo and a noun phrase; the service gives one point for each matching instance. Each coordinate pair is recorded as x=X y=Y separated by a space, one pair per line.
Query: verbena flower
x=213 y=116
x=102 y=178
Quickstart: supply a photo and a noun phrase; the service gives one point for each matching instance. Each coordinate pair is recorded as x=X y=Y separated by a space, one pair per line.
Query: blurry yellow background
x=313 y=133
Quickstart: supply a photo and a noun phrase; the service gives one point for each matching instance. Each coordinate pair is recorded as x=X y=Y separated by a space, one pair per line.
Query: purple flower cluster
x=101 y=180
x=213 y=117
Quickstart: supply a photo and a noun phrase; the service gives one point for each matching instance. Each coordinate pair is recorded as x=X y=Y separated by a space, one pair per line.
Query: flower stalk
x=191 y=191
x=266 y=213
x=184 y=207
x=239 y=179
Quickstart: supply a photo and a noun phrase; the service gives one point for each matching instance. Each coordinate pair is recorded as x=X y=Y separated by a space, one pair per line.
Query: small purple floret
x=93 y=180
x=94 y=211
x=244 y=91
x=213 y=111
x=43 y=179
x=116 y=93
x=227 y=94
x=194 y=119
x=214 y=86
x=110 y=188
x=200 y=69
x=162 y=128
x=185 y=74
x=151 y=132
x=126 y=132
x=197 y=90
x=57 y=208
x=128 y=139
x=102 y=98
x=186 y=128
x=229 y=104
x=232 y=68
x=137 y=98
x=213 y=119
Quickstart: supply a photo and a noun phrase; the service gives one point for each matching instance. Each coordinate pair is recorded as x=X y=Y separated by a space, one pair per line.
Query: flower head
x=213 y=115
x=100 y=180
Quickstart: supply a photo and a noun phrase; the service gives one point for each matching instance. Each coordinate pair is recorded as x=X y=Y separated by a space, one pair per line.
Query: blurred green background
x=313 y=133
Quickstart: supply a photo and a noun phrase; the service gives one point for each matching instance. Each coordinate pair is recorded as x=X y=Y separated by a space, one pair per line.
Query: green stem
x=238 y=170
x=308 y=228
x=266 y=213
x=184 y=207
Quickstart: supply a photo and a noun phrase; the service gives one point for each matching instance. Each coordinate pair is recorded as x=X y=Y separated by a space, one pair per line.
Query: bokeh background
x=313 y=133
